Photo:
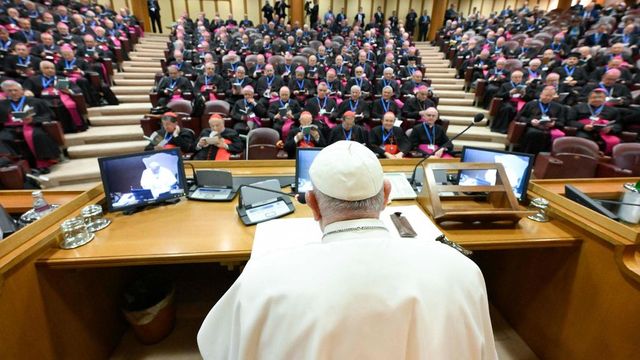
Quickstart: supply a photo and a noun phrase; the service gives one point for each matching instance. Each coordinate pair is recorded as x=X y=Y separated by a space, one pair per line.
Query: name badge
x=545 y=118
x=516 y=95
x=569 y=78
x=608 y=99
x=431 y=147
x=267 y=93
x=594 y=118
x=323 y=111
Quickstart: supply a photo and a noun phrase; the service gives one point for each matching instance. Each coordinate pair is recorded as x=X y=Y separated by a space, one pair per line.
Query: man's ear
x=312 y=202
x=386 y=185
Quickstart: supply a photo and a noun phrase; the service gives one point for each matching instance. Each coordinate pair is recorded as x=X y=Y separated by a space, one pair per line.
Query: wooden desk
x=559 y=284
x=196 y=231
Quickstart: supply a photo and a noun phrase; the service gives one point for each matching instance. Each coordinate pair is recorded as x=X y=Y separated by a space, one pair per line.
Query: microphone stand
x=449 y=142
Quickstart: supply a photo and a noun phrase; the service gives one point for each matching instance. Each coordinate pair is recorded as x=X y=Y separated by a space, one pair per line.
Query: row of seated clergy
x=284 y=110
x=546 y=120
x=21 y=132
x=58 y=95
x=210 y=85
x=78 y=69
x=314 y=69
x=386 y=140
x=517 y=92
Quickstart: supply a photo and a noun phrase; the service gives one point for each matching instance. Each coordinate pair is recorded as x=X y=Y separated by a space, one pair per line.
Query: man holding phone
x=545 y=120
x=218 y=142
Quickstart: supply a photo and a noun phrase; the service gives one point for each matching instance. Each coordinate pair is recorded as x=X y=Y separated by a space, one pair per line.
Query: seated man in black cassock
x=511 y=93
x=301 y=87
x=387 y=140
x=284 y=112
x=268 y=84
x=172 y=87
x=596 y=121
x=388 y=79
x=21 y=118
x=359 y=79
x=570 y=73
x=355 y=104
x=308 y=134
x=430 y=138
x=21 y=65
x=247 y=112
x=415 y=104
x=349 y=131
x=218 y=142
x=410 y=88
x=384 y=105
x=545 y=119
x=171 y=135
x=57 y=94
x=322 y=106
x=209 y=83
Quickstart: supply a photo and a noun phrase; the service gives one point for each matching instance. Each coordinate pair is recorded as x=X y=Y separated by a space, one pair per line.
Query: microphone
x=476 y=119
x=300 y=196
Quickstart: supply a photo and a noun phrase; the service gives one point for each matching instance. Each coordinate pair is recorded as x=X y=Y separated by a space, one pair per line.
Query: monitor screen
x=304 y=158
x=141 y=179
x=517 y=166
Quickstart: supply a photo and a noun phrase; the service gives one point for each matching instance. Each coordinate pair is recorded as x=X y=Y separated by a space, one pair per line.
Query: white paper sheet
x=281 y=234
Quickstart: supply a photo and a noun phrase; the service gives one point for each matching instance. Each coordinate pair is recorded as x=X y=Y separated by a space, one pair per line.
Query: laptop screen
x=304 y=158
x=517 y=166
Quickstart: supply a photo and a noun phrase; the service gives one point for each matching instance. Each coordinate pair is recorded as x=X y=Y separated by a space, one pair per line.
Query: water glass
x=74 y=233
x=93 y=218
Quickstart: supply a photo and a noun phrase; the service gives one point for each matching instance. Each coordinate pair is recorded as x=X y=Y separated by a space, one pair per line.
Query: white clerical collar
x=334 y=230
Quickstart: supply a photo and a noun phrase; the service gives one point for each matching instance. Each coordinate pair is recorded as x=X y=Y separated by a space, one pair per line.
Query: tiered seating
x=84 y=50
x=548 y=50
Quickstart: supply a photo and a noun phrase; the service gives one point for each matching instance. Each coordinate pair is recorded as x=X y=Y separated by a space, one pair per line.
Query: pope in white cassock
x=158 y=179
x=361 y=293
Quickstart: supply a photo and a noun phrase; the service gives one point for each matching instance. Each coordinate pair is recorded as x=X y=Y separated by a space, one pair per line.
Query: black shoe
x=44 y=171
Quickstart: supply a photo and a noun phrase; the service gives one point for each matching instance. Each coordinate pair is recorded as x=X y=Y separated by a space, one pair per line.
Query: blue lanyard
x=247 y=106
x=514 y=84
x=206 y=80
x=555 y=46
x=386 y=135
x=353 y=108
x=497 y=72
x=24 y=62
x=288 y=67
x=385 y=82
x=240 y=82
x=269 y=82
x=601 y=86
x=168 y=136
x=330 y=86
x=234 y=67
x=5 y=46
x=597 y=37
x=542 y=108
x=283 y=104
x=173 y=84
x=323 y=104
x=359 y=83
x=46 y=82
x=625 y=39
x=307 y=138
x=385 y=105
x=179 y=65
x=532 y=73
x=28 y=35
x=300 y=84
x=69 y=65
x=411 y=69
x=20 y=104
x=340 y=70
x=347 y=136
x=429 y=136
x=598 y=110
x=569 y=73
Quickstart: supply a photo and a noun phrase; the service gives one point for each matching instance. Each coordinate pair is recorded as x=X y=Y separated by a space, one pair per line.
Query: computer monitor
x=304 y=158
x=517 y=166
x=141 y=179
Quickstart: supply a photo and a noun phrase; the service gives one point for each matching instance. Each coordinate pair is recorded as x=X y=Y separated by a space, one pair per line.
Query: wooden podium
x=470 y=203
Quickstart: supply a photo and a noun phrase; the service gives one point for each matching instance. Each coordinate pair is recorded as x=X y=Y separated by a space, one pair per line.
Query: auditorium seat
x=216 y=107
x=261 y=145
x=625 y=161
x=570 y=157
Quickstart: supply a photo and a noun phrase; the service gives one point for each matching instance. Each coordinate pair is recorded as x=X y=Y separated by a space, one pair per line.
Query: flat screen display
x=141 y=179
x=517 y=166
x=304 y=158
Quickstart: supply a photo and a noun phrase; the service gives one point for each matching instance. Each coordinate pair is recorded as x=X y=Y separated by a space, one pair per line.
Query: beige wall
x=237 y=7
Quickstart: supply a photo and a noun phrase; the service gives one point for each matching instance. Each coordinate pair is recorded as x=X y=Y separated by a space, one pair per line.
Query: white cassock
x=357 y=295
x=158 y=183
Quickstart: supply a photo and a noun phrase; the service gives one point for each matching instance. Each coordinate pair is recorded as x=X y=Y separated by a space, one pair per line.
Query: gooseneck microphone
x=300 y=196
x=476 y=119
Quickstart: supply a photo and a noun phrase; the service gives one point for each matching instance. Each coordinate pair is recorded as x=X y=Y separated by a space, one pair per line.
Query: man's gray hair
x=355 y=87
x=10 y=83
x=330 y=204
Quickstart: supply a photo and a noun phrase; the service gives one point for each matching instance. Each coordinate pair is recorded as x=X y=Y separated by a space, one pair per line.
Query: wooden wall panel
x=403 y=10
x=391 y=7
x=552 y=4
x=117 y=4
x=194 y=7
x=487 y=7
x=166 y=15
x=179 y=8
x=224 y=8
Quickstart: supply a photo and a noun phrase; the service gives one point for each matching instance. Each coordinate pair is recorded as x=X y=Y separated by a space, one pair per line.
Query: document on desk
x=269 y=236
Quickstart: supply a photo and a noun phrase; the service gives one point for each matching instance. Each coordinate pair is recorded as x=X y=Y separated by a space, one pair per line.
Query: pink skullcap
x=66 y=47
x=231 y=52
x=349 y=113
x=422 y=87
x=248 y=87
x=299 y=68
x=599 y=90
